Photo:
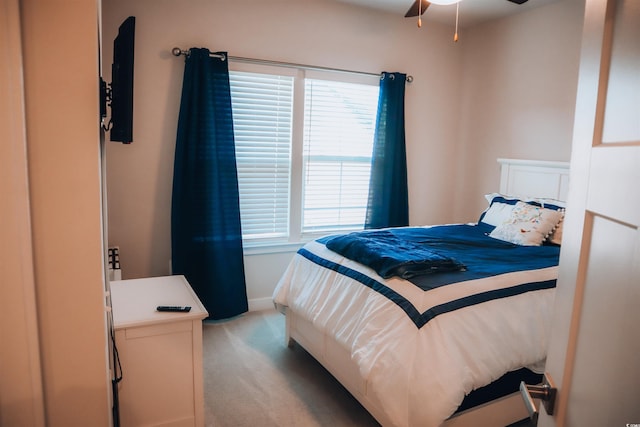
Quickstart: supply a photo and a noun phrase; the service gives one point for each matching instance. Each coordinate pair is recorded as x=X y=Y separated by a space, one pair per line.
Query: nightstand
x=160 y=353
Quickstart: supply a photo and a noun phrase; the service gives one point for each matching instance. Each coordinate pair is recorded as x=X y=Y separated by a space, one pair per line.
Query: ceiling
x=472 y=12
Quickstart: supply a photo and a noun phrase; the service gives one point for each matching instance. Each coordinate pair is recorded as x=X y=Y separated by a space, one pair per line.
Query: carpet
x=251 y=378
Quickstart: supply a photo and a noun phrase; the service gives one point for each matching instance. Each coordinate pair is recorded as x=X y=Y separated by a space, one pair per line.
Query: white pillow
x=497 y=213
x=527 y=225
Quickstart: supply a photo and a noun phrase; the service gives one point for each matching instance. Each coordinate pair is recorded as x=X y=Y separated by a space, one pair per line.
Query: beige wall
x=310 y=32
x=453 y=123
x=56 y=269
x=519 y=89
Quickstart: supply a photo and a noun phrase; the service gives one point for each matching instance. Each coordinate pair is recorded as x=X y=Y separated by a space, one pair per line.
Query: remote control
x=175 y=308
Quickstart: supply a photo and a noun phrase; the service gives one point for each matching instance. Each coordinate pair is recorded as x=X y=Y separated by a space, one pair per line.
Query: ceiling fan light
x=444 y=2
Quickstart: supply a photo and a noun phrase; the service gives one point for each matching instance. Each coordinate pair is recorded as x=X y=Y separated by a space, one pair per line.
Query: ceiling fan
x=420 y=6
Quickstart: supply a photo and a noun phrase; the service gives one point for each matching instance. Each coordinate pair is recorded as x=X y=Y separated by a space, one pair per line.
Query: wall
x=453 y=120
x=519 y=84
x=309 y=32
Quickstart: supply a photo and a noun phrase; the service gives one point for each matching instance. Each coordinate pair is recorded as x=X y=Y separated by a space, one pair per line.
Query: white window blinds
x=262 y=119
x=303 y=152
x=339 y=125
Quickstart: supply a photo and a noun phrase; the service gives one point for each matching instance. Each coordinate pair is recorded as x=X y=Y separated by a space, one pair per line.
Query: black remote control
x=175 y=308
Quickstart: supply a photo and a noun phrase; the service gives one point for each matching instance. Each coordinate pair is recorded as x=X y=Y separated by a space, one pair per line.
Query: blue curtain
x=206 y=238
x=388 y=204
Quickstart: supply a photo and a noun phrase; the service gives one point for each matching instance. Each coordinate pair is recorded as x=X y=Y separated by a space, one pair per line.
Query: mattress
x=420 y=352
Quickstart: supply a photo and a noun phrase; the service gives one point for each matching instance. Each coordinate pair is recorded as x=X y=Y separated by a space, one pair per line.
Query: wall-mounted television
x=119 y=94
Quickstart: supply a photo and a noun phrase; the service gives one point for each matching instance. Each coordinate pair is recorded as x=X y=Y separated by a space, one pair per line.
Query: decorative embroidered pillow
x=497 y=212
x=556 y=235
x=527 y=225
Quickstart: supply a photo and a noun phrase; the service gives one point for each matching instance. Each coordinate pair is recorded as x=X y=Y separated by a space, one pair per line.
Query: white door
x=21 y=391
x=594 y=352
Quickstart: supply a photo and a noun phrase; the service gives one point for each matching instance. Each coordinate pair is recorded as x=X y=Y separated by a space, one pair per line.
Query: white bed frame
x=524 y=178
x=534 y=178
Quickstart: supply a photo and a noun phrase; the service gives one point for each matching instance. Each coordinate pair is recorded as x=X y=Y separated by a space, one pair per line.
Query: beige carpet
x=251 y=378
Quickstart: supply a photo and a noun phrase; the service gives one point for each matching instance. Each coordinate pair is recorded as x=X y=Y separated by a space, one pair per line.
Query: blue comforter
x=462 y=252
x=392 y=253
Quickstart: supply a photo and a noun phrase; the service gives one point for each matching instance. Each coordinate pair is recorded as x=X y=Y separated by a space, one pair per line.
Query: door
x=21 y=395
x=594 y=352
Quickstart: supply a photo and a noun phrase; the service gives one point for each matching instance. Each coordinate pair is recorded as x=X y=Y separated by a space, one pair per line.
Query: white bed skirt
x=337 y=360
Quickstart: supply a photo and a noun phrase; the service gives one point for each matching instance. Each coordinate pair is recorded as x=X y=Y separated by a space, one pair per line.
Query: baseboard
x=259 y=304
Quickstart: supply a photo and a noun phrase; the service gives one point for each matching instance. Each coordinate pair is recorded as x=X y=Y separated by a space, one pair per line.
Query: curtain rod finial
x=176 y=51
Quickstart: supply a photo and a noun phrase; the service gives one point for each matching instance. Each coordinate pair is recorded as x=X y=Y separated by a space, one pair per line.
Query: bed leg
x=288 y=341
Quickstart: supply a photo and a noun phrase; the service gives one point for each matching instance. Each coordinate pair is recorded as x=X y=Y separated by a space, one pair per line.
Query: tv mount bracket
x=105 y=100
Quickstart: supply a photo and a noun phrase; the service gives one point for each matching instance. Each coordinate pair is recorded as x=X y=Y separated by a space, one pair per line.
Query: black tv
x=122 y=83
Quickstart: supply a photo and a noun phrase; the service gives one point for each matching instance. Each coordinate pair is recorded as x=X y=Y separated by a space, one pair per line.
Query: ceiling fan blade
x=415 y=8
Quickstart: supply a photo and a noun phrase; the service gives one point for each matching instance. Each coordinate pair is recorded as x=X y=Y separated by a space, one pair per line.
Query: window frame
x=296 y=237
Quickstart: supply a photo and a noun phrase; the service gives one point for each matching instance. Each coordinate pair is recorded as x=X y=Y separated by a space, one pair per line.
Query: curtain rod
x=176 y=51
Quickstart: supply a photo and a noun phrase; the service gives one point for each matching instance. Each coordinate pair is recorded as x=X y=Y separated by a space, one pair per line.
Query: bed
x=418 y=349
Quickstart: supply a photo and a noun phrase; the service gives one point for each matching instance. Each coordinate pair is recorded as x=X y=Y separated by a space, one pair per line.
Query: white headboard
x=534 y=178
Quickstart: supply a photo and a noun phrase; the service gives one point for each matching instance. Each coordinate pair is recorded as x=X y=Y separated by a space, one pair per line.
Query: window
x=262 y=121
x=339 y=122
x=303 y=148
